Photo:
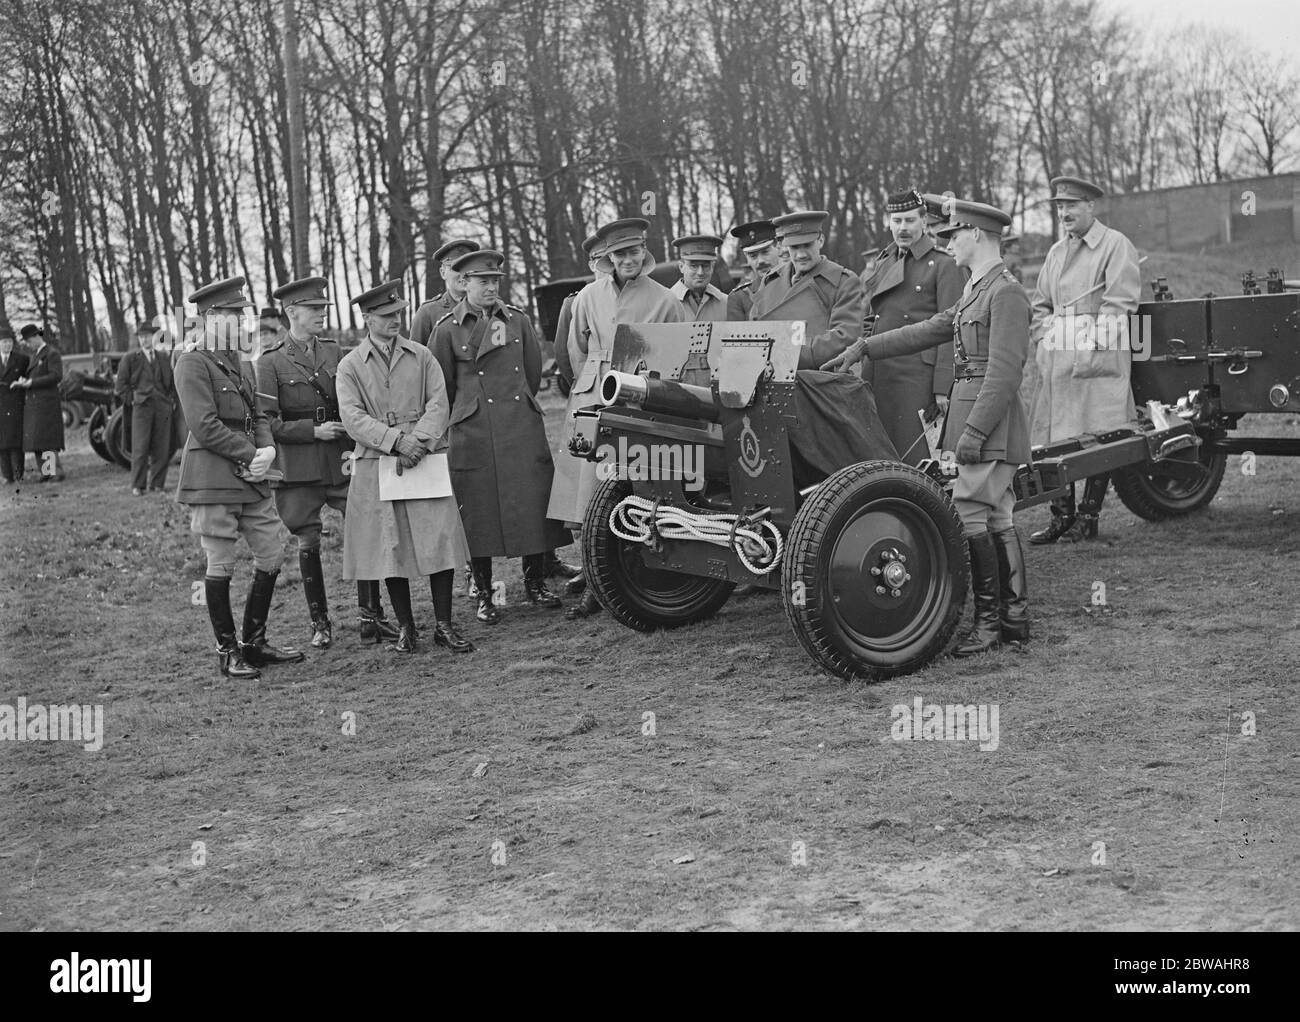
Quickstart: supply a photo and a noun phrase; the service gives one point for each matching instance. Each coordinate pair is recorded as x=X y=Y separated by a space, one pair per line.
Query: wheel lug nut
x=896 y=592
x=875 y=571
x=880 y=590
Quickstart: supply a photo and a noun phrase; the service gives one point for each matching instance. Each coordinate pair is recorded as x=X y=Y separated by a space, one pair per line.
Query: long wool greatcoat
x=218 y=392
x=501 y=465
x=378 y=401
x=901 y=292
x=12 y=401
x=829 y=300
x=992 y=322
x=597 y=311
x=1082 y=390
x=43 y=411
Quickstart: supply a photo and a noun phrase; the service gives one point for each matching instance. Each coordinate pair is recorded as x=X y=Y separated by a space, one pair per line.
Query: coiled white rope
x=636 y=520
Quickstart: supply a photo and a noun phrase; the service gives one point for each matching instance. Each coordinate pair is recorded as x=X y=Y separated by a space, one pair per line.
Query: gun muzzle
x=665 y=396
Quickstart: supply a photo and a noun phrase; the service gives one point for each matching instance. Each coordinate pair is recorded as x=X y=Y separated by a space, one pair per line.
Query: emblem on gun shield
x=750 y=456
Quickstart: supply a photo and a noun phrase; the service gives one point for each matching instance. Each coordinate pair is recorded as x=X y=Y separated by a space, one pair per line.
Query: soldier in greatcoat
x=987 y=427
x=501 y=465
x=908 y=282
x=393 y=402
x=810 y=287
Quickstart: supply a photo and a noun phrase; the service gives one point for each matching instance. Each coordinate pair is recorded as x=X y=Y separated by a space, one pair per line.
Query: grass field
x=584 y=776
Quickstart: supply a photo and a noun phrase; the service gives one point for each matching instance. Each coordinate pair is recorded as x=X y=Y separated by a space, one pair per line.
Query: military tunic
x=378 y=400
x=296 y=389
x=902 y=291
x=829 y=299
x=501 y=465
x=218 y=393
x=428 y=314
x=989 y=328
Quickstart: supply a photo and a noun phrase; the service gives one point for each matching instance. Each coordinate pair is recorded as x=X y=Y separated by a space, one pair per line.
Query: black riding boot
x=535 y=590
x=481 y=568
x=444 y=630
x=1063 y=517
x=313 y=584
x=373 y=626
x=216 y=592
x=399 y=594
x=257 y=651
x=1014 y=586
x=986 y=630
x=588 y=606
x=1094 y=493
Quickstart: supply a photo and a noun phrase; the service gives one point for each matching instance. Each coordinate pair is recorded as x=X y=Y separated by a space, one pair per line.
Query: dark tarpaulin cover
x=838 y=426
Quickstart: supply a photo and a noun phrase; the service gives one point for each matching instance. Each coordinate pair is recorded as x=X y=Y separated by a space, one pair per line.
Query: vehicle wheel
x=115 y=438
x=875 y=524
x=635 y=595
x=1152 y=493
x=97 y=430
x=71 y=415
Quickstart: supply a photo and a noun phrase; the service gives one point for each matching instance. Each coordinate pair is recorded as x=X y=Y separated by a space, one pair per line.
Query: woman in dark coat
x=43 y=414
x=13 y=367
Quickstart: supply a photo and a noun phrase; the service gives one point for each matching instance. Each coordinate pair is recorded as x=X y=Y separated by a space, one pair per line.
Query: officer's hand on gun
x=409 y=451
x=330 y=431
x=847 y=359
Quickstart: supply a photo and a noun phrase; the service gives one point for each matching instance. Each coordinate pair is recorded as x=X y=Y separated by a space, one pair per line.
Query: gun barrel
x=665 y=396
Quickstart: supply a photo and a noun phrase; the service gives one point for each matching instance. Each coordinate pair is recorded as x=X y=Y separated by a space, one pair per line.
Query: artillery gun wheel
x=635 y=595
x=869 y=531
x=96 y=430
x=1155 y=495
x=115 y=438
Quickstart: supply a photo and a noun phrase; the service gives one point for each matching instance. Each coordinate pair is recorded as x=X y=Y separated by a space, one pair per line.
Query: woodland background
x=149 y=145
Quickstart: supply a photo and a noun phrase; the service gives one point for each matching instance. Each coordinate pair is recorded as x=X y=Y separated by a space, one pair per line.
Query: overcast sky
x=1269 y=24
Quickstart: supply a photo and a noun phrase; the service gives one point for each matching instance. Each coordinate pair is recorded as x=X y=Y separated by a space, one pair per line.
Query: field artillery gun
x=1199 y=365
x=720 y=463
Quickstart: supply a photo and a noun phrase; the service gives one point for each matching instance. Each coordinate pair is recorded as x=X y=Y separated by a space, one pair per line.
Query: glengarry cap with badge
x=904 y=202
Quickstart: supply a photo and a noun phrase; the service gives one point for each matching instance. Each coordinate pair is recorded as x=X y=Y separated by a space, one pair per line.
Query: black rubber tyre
x=97 y=430
x=863 y=517
x=115 y=438
x=642 y=598
x=1155 y=496
x=71 y=415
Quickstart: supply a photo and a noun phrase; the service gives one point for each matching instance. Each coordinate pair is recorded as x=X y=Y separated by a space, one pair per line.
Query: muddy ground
x=1122 y=792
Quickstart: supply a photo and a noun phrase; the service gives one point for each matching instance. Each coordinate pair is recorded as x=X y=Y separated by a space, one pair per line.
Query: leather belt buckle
x=322 y=414
x=390 y=418
x=248 y=425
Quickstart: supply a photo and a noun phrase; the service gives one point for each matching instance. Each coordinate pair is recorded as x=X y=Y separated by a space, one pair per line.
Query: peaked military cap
x=754 y=236
x=1074 y=189
x=590 y=245
x=269 y=313
x=799 y=227
x=483 y=263
x=221 y=294
x=974 y=214
x=622 y=234
x=381 y=300
x=307 y=291
x=697 y=247
x=903 y=202
x=448 y=251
